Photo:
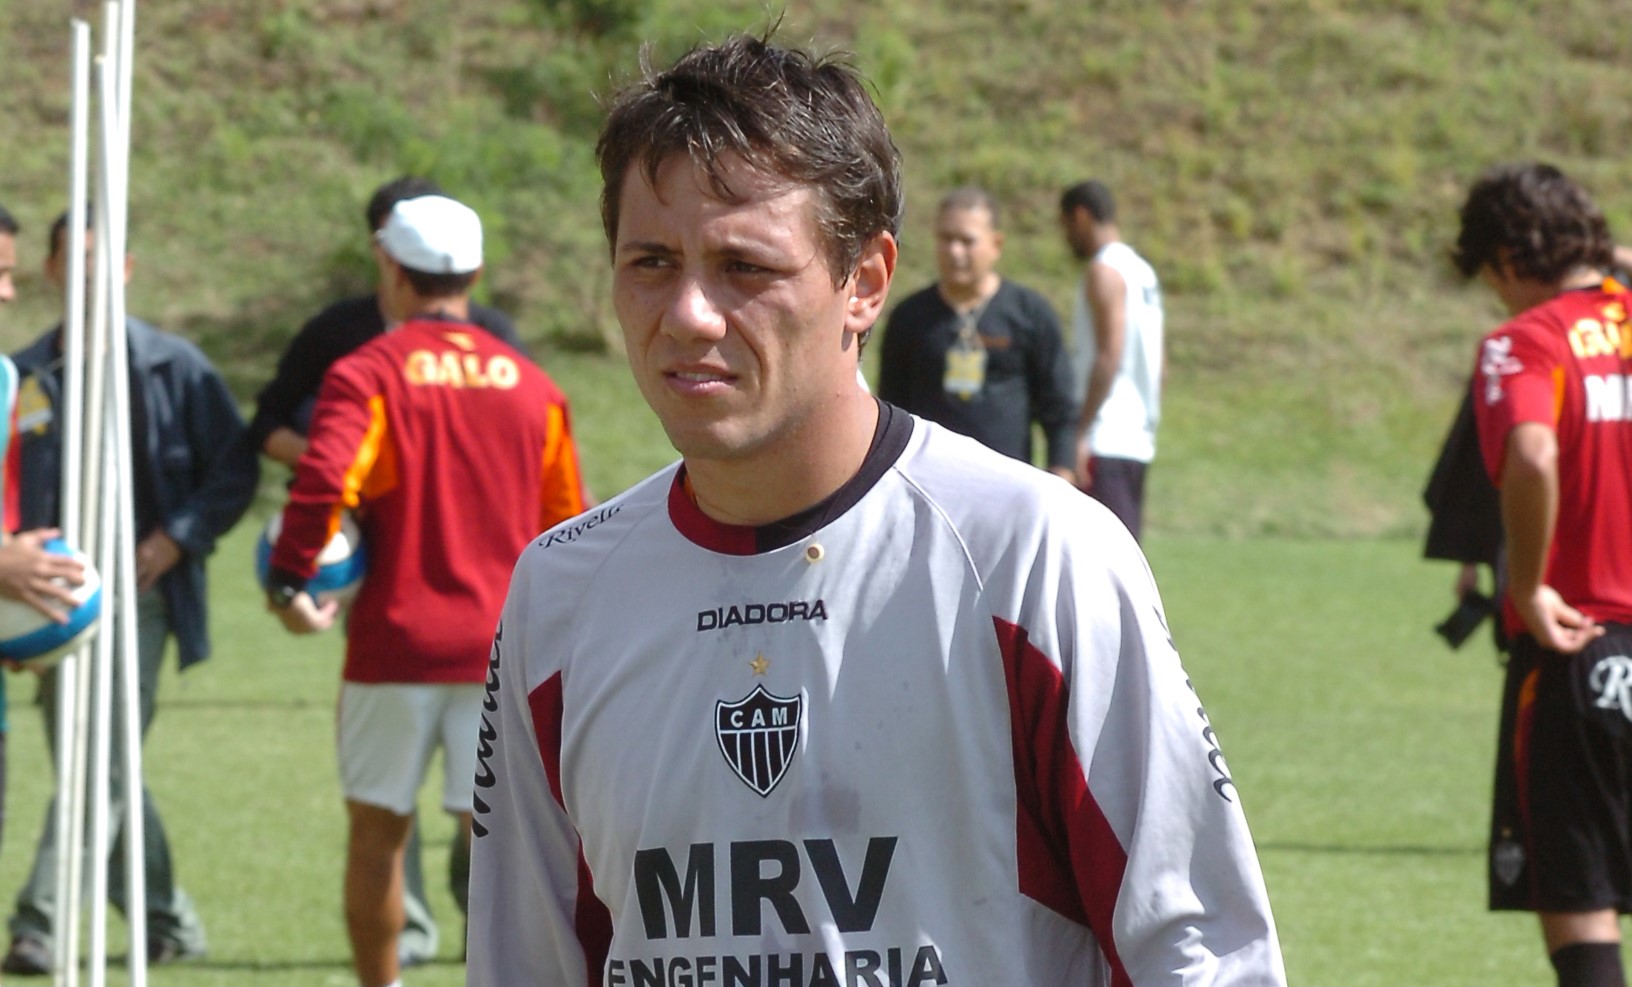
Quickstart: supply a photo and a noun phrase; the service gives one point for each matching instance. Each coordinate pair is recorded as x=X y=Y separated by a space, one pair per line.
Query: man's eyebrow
x=644 y=247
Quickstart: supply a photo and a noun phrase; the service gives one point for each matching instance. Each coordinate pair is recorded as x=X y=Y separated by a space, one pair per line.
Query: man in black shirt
x=977 y=352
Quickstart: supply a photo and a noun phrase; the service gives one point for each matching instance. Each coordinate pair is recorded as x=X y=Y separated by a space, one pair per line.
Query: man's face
x=966 y=247
x=1078 y=227
x=8 y=265
x=735 y=331
x=56 y=265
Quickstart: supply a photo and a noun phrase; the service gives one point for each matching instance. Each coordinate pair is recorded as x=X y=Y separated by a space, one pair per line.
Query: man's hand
x=1085 y=465
x=1467 y=580
x=43 y=580
x=1063 y=473
x=1555 y=624
x=305 y=615
x=156 y=555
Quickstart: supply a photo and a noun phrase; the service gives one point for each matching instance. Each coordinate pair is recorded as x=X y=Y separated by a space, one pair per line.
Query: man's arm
x=348 y=435
x=285 y=445
x=296 y=380
x=1048 y=382
x=1107 y=302
x=534 y=916
x=225 y=468
x=1118 y=756
x=1529 y=495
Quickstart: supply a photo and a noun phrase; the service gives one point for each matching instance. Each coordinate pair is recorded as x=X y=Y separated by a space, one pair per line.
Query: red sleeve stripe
x=1068 y=856
x=545 y=702
x=593 y=923
x=591 y=919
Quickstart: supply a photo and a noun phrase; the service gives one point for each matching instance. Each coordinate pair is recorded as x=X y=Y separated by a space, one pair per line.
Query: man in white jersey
x=1117 y=335
x=843 y=697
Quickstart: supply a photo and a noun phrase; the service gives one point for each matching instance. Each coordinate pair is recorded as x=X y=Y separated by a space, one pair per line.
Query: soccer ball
x=28 y=636
x=340 y=566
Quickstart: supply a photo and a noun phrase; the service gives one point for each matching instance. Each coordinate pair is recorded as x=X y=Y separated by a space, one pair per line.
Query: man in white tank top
x=1117 y=338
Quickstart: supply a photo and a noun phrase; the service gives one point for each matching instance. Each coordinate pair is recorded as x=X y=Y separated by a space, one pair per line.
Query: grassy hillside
x=1292 y=169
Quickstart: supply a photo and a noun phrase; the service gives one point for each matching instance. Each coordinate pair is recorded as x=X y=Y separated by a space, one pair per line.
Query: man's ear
x=870 y=284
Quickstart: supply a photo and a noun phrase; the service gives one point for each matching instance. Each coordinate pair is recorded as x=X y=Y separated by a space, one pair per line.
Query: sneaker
x=27 y=957
x=162 y=951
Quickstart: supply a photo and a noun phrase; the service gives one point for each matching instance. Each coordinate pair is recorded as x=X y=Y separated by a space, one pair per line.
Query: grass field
x=1360 y=744
x=1291 y=168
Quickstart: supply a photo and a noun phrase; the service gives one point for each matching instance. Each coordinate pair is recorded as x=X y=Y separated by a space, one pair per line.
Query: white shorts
x=388 y=732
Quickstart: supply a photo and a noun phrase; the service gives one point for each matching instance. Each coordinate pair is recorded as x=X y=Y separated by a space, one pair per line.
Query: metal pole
x=69 y=738
x=129 y=677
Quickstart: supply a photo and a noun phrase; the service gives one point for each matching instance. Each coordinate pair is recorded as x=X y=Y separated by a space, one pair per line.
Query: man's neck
x=456 y=309
x=963 y=298
x=1105 y=235
x=804 y=468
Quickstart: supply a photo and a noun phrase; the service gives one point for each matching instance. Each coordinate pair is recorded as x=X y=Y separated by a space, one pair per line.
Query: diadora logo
x=759 y=736
x=1611 y=678
x=760 y=613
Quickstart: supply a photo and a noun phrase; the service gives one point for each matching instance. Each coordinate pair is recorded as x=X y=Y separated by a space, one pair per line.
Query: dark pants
x=1119 y=484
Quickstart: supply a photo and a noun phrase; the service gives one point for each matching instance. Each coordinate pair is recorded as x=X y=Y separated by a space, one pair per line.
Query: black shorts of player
x=1561 y=825
x=1120 y=485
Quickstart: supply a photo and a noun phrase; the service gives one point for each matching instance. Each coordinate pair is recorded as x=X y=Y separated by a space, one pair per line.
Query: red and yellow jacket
x=454 y=451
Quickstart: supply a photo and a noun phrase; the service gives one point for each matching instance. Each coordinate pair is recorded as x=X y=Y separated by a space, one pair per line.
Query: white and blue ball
x=28 y=636
x=341 y=565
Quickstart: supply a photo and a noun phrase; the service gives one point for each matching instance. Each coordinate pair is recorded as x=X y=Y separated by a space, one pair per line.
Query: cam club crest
x=759 y=736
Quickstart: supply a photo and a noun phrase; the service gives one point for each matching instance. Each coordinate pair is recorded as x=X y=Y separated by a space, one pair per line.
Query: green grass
x=1361 y=746
x=1292 y=169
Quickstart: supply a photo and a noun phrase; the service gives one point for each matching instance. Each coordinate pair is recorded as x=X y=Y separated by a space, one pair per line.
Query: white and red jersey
x=1567 y=364
x=932 y=731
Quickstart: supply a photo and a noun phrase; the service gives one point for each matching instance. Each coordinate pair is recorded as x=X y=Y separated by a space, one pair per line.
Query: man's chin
x=715 y=442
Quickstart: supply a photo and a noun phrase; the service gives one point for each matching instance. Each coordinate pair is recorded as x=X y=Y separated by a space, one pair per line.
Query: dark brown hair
x=386 y=197
x=786 y=112
x=427 y=285
x=1534 y=218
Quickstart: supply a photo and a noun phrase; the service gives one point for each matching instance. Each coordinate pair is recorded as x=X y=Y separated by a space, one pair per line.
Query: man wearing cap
x=283 y=415
x=403 y=435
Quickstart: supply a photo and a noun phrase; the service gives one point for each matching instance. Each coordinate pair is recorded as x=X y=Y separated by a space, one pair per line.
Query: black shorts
x=1561 y=826
x=1120 y=485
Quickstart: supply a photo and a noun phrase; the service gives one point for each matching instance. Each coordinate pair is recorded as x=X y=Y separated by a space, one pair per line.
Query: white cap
x=433 y=234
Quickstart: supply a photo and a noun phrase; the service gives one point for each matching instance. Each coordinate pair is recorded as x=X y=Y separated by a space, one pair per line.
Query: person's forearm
x=285 y=445
x=1100 y=379
x=1529 y=499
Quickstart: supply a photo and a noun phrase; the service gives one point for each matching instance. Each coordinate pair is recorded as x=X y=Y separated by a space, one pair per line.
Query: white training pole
x=73 y=323
x=69 y=740
x=107 y=561
x=116 y=549
x=124 y=459
x=129 y=678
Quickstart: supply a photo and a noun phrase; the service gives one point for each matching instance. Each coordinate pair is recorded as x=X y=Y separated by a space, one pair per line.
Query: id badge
x=965 y=371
